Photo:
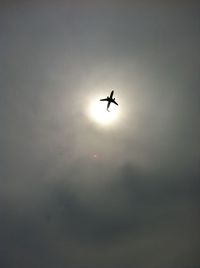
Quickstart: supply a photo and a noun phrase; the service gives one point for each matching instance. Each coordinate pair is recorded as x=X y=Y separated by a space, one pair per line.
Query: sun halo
x=99 y=114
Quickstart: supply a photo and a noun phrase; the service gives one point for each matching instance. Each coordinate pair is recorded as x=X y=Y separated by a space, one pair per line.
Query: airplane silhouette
x=109 y=100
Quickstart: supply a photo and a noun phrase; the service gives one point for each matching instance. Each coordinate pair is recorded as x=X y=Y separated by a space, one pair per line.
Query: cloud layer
x=137 y=203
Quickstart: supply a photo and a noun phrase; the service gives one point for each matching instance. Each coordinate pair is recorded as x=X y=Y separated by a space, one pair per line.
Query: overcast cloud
x=137 y=203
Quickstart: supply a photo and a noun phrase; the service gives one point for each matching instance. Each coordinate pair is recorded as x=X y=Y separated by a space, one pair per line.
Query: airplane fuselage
x=111 y=94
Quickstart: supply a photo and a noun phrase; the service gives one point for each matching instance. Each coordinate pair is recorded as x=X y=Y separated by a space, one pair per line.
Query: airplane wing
x=115 y=102
x=103 y=99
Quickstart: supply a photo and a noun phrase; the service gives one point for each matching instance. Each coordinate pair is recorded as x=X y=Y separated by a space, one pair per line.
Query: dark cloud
x=134 y=216
x=137 y=203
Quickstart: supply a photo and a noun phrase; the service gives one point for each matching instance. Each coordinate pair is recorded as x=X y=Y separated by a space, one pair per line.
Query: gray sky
x=137 y=203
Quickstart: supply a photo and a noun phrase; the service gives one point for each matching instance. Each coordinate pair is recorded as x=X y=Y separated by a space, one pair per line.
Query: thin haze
x=73 y=193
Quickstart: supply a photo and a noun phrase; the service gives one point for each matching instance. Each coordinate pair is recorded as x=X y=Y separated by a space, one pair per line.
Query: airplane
x=109 y=100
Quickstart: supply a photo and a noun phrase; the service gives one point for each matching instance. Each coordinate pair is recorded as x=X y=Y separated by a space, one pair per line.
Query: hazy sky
x=136 y=203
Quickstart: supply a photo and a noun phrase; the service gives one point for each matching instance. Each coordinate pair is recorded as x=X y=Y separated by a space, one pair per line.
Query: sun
x=98 y=113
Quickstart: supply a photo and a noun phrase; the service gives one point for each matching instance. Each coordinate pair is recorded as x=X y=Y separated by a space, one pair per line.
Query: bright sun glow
x=99 y=114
